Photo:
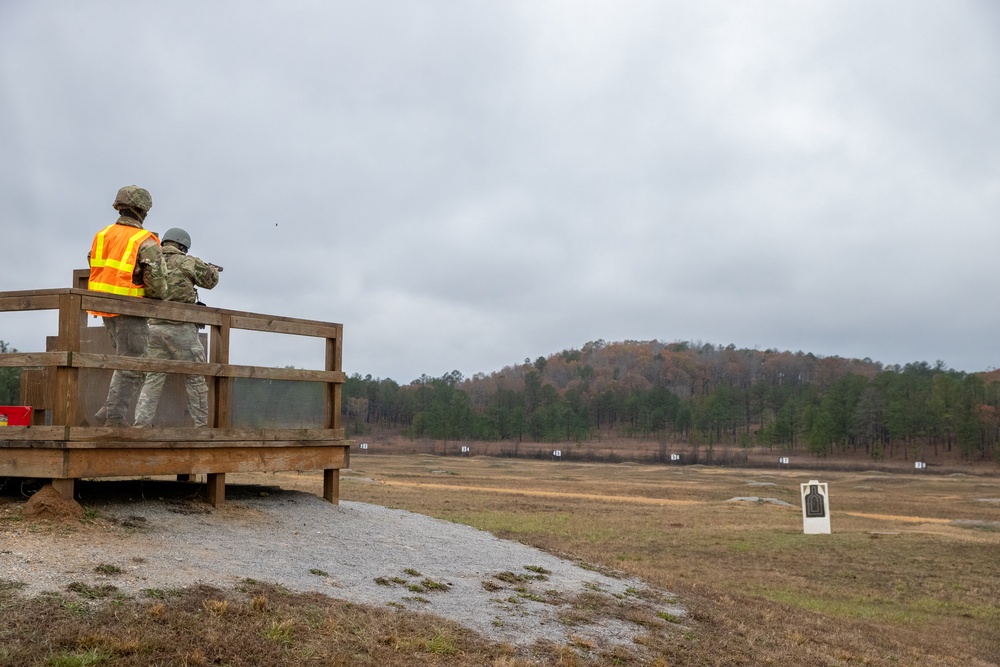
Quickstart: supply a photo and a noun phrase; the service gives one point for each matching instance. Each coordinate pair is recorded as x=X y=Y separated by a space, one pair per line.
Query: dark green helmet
x=134 y=197
x=178 y=236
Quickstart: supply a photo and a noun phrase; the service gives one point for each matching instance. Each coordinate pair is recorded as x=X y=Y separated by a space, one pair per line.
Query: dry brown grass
x=897 y=583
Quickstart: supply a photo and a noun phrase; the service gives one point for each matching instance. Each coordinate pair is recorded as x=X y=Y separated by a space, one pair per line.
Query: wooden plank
x=120 y=445
x=124 y=305
x=91 y=463
x=115 y=362
x=217 y=488
x=29 y=300
x=109 y=436
x=9 y=435
x=185 y=312
x=208 y=435
x=33 y=359
x=86 y=463
x=142 y=307
x=268 y=373
x=38 y=463
x=143 y=364
x=285 y=325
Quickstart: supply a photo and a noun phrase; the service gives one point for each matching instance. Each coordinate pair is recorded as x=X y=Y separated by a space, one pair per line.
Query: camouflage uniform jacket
x=184 y=273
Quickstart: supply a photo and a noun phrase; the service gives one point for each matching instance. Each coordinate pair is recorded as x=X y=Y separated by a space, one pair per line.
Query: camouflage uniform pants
x=129 y=337
x=178 y=341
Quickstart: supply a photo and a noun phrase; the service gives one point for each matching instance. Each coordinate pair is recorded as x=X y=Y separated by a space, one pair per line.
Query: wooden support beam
x=64 y=487
x=221 y=389
x=144 y=364
x=217 y=488
x=54 y=463
x=103 y=437
x=66 y=408
x=331 y=486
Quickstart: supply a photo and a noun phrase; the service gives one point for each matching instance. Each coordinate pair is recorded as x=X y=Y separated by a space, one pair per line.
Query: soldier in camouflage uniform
x=118 y=267
x=178 y=340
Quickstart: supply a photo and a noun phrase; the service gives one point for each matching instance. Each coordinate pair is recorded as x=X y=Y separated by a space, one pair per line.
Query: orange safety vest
x=112 y=261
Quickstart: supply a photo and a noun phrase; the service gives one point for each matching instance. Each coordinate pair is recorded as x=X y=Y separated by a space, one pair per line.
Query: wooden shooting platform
x=66 y=384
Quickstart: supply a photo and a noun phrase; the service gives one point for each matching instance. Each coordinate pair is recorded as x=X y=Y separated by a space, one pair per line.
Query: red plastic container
x=15 y=415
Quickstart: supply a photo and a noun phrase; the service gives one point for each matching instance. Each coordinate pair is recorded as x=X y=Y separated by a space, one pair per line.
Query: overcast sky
x=467 y=184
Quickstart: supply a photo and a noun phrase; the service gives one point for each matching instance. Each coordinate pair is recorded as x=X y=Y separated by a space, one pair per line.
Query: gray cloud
x=465 y=185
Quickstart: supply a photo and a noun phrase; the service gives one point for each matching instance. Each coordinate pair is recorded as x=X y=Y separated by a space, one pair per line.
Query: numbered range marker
x=675 y=457
x=557 y=453
x=920 y=465
x=363 y=445
x=783 y=460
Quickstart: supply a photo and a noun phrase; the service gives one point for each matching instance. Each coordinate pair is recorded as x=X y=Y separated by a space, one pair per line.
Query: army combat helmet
x=135 y=198
x=178 y=236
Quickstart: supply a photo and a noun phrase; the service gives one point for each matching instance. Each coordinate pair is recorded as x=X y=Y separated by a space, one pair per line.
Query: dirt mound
x=47 y=503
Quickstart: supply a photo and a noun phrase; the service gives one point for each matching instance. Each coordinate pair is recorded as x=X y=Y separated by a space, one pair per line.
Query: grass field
x=908 y=577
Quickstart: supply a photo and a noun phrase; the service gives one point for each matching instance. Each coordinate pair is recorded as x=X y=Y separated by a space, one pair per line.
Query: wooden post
x=331 y=412
x=221 y=416
x=331 y=485
x=332 y=390
x=222 y=387
x=81 y=278
x=64 y=487
x=217 y=488
x=66 y=406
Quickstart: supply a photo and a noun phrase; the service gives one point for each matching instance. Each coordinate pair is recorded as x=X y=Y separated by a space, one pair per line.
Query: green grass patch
x=865 y=608
x=92 y=592
x=88 y=658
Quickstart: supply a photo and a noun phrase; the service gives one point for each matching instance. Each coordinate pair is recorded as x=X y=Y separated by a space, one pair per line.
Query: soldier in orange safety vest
x=125 y=259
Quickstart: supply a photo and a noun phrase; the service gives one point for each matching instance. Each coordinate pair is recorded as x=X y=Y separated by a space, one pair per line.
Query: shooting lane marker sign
x=815 y=508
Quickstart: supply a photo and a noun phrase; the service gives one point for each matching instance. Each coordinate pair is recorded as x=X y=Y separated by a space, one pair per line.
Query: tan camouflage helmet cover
x=134 y=197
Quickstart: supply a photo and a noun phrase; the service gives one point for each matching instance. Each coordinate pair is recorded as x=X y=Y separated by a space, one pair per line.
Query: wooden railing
x=62 y=445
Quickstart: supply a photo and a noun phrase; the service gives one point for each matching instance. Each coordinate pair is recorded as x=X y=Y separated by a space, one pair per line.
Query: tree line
x=700 y=394
x=681 y=392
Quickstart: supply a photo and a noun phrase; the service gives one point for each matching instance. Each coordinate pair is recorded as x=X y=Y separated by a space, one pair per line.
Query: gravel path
x=355 y=551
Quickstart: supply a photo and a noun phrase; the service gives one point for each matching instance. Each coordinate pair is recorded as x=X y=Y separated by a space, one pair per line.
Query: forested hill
x=697 y=393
